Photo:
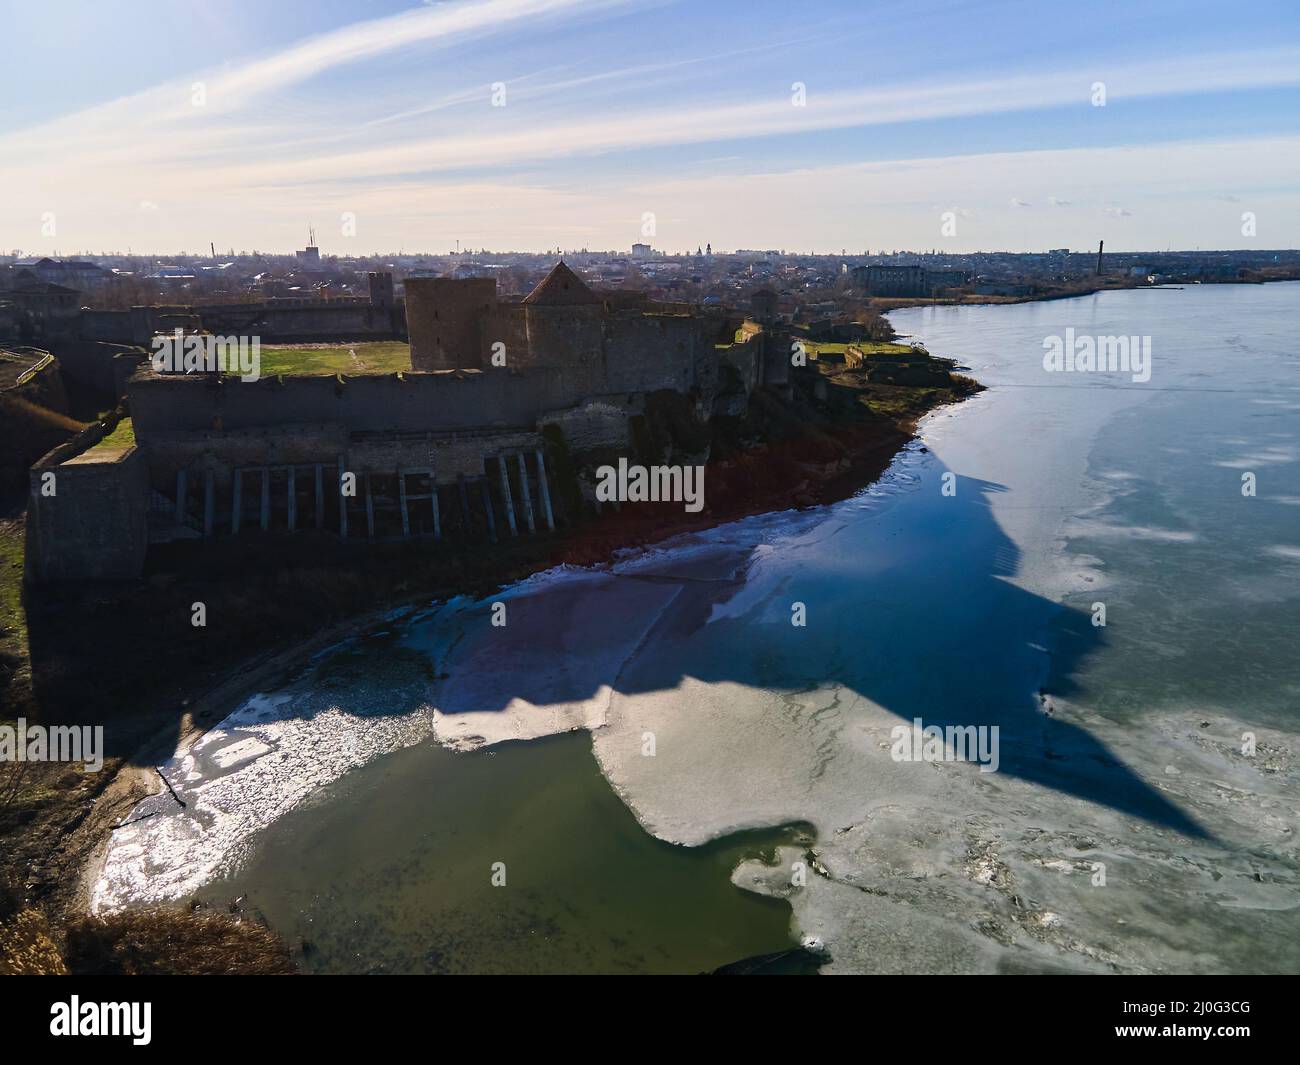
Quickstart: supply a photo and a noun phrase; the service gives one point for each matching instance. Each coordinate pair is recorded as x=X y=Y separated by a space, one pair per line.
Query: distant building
x=908 y=282
x=39 y=309
x=642 y=251
x=42 y=299
x=939 y=280
x=73 y=273
x=905 y=281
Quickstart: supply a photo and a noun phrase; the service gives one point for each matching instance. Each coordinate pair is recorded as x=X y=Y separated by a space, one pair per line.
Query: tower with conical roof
x=565 y=327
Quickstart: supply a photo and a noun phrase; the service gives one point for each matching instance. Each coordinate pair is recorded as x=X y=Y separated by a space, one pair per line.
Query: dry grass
x=173 y=943
x=162 y=942
x=28 y=946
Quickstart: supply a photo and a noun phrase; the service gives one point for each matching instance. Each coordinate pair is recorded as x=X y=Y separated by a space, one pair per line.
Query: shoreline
x=885 y=304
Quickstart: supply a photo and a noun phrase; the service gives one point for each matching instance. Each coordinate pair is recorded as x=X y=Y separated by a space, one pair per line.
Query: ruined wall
x=597 y=425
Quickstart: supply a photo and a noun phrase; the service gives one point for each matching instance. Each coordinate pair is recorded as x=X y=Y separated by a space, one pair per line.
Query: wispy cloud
x=361 y=41
x=254 y=155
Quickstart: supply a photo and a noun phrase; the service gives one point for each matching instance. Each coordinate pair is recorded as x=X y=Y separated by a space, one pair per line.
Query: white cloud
x=248 y=167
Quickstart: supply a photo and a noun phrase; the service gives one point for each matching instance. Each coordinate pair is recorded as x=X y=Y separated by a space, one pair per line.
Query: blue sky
x=163 y=126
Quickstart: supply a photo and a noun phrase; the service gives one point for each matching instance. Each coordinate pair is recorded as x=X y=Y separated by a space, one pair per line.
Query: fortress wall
x=215 y=457
x=171 y=451
x=650 y=352
x=347 y=321
x=415 y=402
x=320 y=322
x=508 y=324
x=447 y=454
x=316 y=322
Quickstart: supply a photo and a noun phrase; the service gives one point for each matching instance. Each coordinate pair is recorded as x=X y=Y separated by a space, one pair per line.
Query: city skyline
x=524 y=125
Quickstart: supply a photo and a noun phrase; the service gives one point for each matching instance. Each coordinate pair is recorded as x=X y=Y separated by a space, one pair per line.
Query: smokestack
x=213 y=245
x=1100 y=244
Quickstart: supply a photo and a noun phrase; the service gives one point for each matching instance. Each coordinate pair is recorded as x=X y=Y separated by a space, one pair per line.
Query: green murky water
x=390 y=870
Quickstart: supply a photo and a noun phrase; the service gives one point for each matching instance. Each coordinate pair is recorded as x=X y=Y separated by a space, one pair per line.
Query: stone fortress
x=492 y=432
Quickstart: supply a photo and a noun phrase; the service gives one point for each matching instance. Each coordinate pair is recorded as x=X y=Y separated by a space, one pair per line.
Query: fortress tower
x=381 y=289
x=445 y=319
x=565 y=326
